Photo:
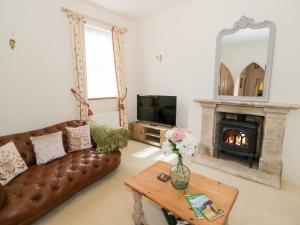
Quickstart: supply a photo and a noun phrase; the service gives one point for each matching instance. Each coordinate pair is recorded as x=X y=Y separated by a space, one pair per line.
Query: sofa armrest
x=2 y=197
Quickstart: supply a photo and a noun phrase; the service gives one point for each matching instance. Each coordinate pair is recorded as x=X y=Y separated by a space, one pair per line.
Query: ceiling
x=136 y=9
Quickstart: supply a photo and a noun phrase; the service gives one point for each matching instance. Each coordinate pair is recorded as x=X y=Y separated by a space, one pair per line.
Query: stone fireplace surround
x=270 y=162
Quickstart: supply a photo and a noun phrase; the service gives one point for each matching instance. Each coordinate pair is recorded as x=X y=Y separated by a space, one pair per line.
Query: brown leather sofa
x=41 y=188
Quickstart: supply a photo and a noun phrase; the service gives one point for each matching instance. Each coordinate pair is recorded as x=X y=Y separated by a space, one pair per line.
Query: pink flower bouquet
x=180 y=142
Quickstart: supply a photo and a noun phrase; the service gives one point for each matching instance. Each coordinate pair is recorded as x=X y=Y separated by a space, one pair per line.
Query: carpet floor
x=109 y=202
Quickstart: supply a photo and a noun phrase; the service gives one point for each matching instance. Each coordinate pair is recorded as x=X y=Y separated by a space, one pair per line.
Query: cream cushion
x=11 y=163
x=79 y=137
x=48 y=147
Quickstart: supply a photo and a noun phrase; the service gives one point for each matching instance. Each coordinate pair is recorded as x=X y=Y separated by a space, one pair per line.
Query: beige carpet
x=109 y=202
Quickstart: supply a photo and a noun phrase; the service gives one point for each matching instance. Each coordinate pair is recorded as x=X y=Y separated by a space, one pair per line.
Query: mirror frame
x=242 y=23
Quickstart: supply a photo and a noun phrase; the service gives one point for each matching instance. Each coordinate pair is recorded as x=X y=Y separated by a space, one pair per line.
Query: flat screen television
x=157 y=109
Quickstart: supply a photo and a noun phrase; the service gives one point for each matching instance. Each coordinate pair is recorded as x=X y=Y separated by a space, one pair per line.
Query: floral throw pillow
x=48 y=147
x=79 y=138
x=11 y=163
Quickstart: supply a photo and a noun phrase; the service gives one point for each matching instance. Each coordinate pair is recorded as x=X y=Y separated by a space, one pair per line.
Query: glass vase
x=180 y=175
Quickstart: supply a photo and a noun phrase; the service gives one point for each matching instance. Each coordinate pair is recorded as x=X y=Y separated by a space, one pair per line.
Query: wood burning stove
x=238 y=138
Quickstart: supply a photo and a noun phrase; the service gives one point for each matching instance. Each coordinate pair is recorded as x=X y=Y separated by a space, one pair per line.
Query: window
x=100 y=66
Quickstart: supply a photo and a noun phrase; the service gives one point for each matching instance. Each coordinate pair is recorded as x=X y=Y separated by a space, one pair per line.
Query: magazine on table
x=203 y=207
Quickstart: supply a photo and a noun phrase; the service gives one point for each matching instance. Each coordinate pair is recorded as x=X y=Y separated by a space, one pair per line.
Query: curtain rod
x=101 y=21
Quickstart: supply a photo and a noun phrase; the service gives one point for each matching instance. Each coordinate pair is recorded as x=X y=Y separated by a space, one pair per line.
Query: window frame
x=102 y=98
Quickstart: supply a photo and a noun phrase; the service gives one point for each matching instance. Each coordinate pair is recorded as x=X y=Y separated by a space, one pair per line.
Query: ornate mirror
x=244 y=58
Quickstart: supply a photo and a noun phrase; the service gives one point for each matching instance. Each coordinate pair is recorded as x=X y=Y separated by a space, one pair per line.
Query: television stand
x=149 y=133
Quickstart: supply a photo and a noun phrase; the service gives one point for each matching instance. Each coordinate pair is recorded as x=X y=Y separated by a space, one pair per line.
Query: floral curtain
x=118 y=46
x=77 y=22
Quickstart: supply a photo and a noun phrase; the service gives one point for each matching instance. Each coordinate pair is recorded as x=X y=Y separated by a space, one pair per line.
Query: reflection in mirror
x=243 y=59
x=226 y=81
x=251 y=81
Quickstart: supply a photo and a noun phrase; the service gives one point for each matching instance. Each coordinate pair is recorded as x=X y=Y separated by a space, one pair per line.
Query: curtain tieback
x=82 y=101
x=121 y=100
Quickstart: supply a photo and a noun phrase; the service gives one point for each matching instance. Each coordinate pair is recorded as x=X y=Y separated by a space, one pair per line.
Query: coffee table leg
x=138 y=214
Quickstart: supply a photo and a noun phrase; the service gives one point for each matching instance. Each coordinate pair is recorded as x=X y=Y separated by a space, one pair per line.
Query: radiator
x=110 y=119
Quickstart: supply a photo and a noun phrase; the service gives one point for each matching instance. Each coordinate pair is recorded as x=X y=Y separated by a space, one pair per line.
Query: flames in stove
x=235 y=137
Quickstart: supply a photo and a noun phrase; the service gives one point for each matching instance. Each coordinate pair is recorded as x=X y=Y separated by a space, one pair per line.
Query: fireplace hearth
x=238 y=138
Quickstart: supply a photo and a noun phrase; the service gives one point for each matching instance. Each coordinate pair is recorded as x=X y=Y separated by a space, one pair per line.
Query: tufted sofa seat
x=41 y=188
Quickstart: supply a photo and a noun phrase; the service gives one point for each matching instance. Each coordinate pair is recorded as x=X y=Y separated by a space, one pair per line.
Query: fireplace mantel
x=249 y=104
x=270 y=163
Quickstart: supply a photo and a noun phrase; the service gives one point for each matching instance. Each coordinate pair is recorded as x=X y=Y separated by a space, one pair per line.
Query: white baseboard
x=292 y=178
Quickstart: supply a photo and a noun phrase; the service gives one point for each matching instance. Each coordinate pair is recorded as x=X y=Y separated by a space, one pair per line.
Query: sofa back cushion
x=48 y=147
x=79 y=138
x=11 y=163
x=24 y=145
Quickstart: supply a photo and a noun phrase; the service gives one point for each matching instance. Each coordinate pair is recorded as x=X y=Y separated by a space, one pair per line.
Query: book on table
x=203 y=207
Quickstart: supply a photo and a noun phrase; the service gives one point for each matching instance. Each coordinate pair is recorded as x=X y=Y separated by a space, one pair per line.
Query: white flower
x=169 y=134
x=167 y=148
x=187 y=146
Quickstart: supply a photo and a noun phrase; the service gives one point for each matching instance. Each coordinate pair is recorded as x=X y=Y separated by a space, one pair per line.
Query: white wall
x=35 y=78
x=186 y=37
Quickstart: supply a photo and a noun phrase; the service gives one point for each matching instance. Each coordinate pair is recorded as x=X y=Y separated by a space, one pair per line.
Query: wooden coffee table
x=163 y=194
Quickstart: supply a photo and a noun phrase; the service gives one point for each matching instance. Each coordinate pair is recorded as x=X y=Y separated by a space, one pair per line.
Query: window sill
x=102 y=98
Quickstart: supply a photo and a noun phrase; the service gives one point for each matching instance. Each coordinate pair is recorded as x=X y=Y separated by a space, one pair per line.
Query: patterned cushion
x=79 y=138
x=11 y=163
x=48 y=147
